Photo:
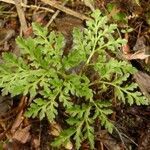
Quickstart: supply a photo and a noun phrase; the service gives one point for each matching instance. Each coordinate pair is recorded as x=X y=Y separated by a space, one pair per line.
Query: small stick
x=21 y=15
x=28 y=6
x=66 y=10
x=37 y=7
x=8 y=1
x=55 y=15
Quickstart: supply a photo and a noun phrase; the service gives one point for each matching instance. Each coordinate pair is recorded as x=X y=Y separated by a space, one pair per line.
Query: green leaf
x=39 y=30
x=64 y=137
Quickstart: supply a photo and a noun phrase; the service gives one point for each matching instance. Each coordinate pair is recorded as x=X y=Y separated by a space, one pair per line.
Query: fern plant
x=77 y=82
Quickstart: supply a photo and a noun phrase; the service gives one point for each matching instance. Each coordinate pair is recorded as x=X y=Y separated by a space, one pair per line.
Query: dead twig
x=55 y=14
x=37 y=7
x=66 y=10
x=8 y=1
x=29 y=6
x=21 y=15
x=19 y=119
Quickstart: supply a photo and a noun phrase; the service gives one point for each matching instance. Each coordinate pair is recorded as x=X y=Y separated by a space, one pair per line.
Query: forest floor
x=133 y=122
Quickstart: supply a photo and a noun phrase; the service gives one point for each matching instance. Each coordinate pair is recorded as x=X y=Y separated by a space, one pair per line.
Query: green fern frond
x=72 y=82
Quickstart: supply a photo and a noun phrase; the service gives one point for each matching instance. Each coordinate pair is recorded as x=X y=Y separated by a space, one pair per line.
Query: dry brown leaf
x=17 y=122
x=143 y=80
x=22 y=135
x=36 y=143
x=138 y=55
